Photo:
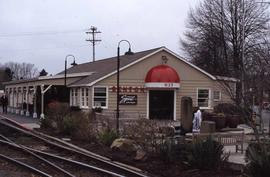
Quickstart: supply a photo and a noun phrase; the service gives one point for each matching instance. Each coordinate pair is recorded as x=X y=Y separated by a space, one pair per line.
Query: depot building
x=154 y=84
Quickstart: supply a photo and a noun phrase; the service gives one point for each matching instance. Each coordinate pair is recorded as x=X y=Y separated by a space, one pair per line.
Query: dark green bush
x=206 y=154
x=46 y=123
x=107 y=136
x=228 y=109
x=170 y=152
x=69 y=125
x=258 y=157
x=97 y=109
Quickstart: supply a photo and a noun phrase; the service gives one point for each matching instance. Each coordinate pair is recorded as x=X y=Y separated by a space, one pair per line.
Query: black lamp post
x=118 y=67
x=73 y=64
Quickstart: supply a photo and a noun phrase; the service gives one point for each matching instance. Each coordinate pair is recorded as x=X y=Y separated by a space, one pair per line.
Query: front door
x=161 y=104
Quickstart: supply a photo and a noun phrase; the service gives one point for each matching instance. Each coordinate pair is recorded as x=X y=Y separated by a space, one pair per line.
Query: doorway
x=161 y=104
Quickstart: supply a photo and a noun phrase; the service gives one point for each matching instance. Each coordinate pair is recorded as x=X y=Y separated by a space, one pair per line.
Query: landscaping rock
x=141 y=155
x=125 y=145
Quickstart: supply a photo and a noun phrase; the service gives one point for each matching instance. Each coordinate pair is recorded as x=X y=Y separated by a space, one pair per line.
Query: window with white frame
x=100 y=97
x=74 y=97
x=217 y=95
x=84 y=97
x=71 y=97
x=203 y=98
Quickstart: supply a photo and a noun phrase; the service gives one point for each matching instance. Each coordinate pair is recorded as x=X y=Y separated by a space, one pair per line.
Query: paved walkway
x=28 y=122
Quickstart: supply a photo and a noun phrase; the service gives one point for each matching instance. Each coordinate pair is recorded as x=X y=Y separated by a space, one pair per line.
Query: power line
x=50 y=48
x=40 y=33
x=93 y=31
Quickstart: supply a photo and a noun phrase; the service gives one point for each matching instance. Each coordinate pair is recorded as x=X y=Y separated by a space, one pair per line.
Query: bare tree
x=224 y=37
x=21 y=70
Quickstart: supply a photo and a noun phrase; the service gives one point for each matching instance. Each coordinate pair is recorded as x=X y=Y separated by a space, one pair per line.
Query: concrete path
x=238 y=158
x=28 y=122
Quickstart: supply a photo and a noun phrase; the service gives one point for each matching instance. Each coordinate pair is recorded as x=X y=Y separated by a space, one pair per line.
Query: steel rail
x=87 y=153
x=14 y=145
x=42 y=159
x=108 y=162
x=17 y=162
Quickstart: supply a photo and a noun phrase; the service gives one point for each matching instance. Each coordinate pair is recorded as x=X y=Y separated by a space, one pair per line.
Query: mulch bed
x=154 y=165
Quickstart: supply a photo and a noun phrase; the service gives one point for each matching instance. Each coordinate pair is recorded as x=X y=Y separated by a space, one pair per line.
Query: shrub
x=69 y=125
x=206 y=154
x=97 y=109
x=77 y=124
x=228 y=109
x=107 y=136
x=83 y=126
x=55 y=114
x=258 y=157
x=144 y=132
x=170 y=151
x=232 y=112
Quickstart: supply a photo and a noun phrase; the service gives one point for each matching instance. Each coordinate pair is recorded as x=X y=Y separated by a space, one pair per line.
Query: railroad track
x=45 y=155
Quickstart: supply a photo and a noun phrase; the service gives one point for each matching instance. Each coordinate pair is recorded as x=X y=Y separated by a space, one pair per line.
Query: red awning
x=162 y=76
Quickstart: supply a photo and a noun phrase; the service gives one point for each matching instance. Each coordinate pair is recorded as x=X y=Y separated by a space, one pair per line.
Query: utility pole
x=93 y=31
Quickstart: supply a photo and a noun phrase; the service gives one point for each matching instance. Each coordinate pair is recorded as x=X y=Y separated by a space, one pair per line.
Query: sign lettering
x=128 y=89
x=128 y=99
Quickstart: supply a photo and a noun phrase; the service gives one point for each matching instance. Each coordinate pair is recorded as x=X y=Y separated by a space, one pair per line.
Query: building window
x=74 y=101
x=217 y=95
x=100 y=97
x=84 y=97
x=203 y=98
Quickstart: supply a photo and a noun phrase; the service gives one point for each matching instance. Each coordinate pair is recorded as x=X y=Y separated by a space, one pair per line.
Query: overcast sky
x=43 y=32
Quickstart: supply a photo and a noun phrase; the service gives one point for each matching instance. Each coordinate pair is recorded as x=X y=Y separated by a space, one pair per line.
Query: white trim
x=70 y=97
x=209 y=97
x=124 y=67
x=141 y=59
x=60 y=76
x=219 y=99
x=79 y=96
x=107 y=96
x=162 y=85
x=190 y=64
x=174 y=105
x=83 y=104
x=147 y=104
x=227 y=79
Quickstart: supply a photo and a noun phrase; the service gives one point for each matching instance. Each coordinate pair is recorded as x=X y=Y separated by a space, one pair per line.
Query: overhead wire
x=41 y=33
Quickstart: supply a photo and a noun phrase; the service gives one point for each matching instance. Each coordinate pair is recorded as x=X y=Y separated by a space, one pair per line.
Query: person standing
x=4 y=102
x=197 y=120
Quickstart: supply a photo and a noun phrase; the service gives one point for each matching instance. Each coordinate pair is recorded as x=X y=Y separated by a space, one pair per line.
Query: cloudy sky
x=43 y=32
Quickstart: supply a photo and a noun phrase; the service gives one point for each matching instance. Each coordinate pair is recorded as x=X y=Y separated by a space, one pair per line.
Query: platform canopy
x=162 y=76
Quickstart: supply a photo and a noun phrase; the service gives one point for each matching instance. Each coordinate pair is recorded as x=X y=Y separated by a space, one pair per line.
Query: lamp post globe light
x=129 y=52
x=73 y=64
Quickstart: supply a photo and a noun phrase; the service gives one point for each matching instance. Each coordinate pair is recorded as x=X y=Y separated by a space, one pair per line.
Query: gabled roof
x=92 y=72
x=107 y=67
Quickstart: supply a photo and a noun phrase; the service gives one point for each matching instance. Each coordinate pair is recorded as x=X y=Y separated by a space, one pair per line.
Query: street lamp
x=118 y=67
x=73 y=64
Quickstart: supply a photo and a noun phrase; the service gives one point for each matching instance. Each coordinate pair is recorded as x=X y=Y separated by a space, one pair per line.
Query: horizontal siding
x=191 y=79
